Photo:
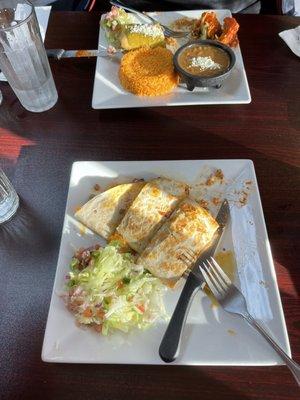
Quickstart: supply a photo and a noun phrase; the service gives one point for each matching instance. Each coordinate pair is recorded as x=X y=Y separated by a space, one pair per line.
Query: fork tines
x=188 y=256
x=215 y=277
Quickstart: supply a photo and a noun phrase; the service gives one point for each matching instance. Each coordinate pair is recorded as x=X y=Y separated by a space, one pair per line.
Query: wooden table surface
x=37 y=151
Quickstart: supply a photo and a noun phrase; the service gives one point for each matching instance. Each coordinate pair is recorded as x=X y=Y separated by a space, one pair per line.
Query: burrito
x=151 y=208
x=179 y=241
x=104 y=212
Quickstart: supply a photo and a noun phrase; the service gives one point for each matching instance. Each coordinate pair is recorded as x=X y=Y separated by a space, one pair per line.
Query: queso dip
x=204 y=60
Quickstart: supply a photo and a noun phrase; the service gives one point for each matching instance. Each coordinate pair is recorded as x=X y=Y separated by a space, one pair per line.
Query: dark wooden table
x=37 y=151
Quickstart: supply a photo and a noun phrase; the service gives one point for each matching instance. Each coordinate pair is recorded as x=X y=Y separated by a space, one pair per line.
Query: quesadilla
x=188 y=231
x=104 y=212
x=151 y=208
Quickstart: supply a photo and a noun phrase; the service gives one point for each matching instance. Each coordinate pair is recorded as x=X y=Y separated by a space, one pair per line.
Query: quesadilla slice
x=104 y=212
x=151 y=208
x=188 y=231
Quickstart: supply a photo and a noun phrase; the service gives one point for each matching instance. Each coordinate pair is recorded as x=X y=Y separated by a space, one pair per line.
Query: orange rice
x=148 y=71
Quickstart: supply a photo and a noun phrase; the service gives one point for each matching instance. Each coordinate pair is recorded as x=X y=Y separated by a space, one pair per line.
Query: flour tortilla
x=104 y=212
x=179 y=241
x=151 y=208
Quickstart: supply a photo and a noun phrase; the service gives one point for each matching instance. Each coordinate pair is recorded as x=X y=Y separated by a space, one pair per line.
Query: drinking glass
x=23 y=58
x=9 y=200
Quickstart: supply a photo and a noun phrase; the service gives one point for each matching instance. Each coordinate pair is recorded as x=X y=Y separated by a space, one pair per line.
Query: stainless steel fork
x=167 y=31
x=233 y=301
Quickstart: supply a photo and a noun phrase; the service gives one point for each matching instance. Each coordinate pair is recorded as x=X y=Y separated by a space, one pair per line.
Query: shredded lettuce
x=112 y=293
x=113 y=23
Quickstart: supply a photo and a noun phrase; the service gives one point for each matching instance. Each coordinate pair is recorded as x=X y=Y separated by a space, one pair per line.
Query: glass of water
x=9 y=200
x=23 y=58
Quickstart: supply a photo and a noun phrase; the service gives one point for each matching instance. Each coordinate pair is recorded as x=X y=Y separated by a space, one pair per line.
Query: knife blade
x=222 y=220
x=61 y=53
x=170 y=345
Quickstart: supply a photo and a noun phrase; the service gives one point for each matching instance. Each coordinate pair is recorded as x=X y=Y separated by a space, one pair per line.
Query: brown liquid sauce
x=216 y=55
x=82 y=230
x=226 y=260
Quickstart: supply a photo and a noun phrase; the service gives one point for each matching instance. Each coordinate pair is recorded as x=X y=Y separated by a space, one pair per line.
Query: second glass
x=23 y=58
x=9 y=200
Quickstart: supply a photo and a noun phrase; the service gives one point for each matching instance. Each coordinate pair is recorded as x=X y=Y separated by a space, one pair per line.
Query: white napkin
x=42 y=14
x=292 y=39
x=245 y=239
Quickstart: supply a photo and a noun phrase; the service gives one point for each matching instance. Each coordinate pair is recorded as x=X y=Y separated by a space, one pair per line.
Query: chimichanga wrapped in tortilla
x=104 y=212
x=189 y=229
x=154 y=204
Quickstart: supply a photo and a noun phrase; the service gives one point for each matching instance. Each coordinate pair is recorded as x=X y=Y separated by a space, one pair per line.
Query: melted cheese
x=156 y=201
x=104 y=212
x=188 y=231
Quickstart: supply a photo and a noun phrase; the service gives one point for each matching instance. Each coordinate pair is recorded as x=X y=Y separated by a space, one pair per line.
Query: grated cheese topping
x=147 y=30
x=204 y=63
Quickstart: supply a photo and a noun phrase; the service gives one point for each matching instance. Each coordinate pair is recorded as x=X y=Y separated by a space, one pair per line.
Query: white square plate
x=208 y=336
x=108 y=92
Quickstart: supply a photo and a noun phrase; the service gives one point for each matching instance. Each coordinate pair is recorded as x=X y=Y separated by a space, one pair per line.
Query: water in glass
x=23 y=58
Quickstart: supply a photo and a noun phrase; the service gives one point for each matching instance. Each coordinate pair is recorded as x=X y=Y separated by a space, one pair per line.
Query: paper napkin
x=292 y=39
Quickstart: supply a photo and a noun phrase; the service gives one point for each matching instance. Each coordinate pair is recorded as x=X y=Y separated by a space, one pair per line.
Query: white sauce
x=204 y=63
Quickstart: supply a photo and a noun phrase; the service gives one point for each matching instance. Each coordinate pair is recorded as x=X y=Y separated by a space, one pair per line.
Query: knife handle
x=170 y=344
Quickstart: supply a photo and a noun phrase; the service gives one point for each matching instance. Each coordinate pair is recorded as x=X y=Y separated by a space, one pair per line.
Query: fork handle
x=291 y=364
x=127 y=8
x=170 y=345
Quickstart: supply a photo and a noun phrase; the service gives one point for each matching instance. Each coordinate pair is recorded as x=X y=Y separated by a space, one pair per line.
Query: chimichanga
x=104 y=212
x=189 y=229
x=154 y=204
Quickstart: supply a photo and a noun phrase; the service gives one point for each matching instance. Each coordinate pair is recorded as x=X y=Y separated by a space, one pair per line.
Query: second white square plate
x=108 y=92
x=211 y=336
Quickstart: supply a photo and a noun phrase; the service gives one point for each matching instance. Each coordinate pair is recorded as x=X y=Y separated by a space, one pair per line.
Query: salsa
x=204 y=60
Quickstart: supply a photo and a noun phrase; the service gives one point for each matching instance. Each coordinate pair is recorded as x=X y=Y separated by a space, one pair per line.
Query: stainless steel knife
x=61 y=53
x=170 y=345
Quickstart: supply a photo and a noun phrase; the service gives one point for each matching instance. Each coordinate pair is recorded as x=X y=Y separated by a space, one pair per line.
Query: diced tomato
x=100 y=314
x=88 y=313
x=120 y=284
x=141 y=308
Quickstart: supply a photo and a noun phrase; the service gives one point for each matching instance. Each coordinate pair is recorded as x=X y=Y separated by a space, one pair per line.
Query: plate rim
x=48 y=358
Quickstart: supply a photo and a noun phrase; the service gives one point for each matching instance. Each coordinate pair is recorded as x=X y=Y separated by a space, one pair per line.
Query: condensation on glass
x=23 y=58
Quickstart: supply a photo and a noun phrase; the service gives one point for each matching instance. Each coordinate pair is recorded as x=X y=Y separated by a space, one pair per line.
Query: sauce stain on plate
x=213 y=301
x=82 y=230
x=226 y=259
x=231 y=332
x=77 y=208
